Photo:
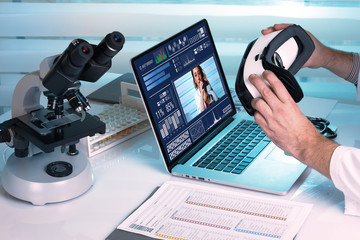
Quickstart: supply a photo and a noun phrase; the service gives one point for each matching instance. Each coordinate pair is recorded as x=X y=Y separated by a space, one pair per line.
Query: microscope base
x=28 y=180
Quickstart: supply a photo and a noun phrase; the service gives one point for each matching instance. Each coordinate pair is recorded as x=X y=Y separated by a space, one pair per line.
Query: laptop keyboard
x=236 y=150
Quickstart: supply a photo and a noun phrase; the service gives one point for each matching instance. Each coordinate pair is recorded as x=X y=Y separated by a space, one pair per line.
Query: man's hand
x=284 y=123
x=279 y=116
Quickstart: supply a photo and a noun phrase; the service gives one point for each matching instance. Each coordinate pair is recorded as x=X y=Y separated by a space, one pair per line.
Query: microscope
x=46 y=166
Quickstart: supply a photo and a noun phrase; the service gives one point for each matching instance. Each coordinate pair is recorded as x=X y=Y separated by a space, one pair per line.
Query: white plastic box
x=123 y=121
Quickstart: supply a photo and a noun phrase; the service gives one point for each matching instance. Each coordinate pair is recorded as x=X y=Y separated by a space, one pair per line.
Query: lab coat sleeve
x=345 y=165
x=198 y=101
x=345 y=173
x=211 y=92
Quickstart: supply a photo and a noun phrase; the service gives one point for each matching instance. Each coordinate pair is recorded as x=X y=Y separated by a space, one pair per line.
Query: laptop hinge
x=203 y=142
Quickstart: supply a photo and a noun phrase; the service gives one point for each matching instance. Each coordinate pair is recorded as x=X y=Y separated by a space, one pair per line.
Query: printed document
x=179 y=211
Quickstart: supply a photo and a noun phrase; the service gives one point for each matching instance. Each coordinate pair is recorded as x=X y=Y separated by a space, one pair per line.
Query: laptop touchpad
x=279 y=155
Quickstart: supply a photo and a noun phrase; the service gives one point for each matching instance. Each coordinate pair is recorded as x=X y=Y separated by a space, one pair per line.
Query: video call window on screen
x=186 y=89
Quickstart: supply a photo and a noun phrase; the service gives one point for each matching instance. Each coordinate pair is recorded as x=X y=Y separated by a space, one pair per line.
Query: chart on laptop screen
x=184 y=88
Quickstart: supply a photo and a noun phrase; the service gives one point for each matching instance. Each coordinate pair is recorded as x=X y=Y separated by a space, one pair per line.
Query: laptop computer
x=199 y=132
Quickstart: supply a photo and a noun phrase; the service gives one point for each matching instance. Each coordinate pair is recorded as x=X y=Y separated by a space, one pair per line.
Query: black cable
x=323 y=126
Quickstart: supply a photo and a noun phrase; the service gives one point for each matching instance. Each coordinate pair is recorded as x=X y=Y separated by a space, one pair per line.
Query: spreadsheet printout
x=185 y=211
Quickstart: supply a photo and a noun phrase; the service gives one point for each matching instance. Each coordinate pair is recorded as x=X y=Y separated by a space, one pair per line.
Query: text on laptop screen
x=183 y=85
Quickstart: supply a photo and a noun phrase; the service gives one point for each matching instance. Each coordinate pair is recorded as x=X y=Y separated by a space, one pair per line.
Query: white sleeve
x=345 y=173
x=211 y=92
x=198 y=101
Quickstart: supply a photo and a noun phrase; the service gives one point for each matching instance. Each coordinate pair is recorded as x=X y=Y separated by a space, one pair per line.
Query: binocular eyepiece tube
x=81 y=61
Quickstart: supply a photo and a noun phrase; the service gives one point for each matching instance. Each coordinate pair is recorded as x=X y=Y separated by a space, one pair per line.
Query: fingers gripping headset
x=282 y=52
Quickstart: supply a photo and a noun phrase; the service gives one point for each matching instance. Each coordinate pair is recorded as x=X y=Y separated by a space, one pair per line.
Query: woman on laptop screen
x=204 y=94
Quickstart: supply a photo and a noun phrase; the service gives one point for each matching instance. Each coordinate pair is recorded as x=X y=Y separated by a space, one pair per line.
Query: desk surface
x=126 y=174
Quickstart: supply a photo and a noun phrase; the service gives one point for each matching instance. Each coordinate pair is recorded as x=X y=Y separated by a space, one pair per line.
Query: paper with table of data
x=179 y=210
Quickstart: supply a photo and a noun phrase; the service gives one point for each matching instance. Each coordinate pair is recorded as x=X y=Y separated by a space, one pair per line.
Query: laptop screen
x=184 y=89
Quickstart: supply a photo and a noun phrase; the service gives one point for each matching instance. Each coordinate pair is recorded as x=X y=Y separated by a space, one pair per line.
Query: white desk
x=126 y=174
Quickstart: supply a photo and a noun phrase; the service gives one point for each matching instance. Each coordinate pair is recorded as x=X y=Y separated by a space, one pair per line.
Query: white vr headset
x=282 y=52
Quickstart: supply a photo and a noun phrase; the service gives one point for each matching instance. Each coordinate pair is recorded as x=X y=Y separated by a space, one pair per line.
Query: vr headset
x=282 y=52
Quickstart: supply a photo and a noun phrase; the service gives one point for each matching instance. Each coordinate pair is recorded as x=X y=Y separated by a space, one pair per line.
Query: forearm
x=316 y=152
x=338 y=62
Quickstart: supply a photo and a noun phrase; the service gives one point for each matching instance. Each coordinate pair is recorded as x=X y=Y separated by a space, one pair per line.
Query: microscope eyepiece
x=68 y=66
x=80 y=61
x=85 y=49
x=117 y=37
x=79 y=53
x=115 y=40
x=108 y=47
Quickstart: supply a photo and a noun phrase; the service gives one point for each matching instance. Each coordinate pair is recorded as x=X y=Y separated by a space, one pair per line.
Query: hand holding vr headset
x=274 y=107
